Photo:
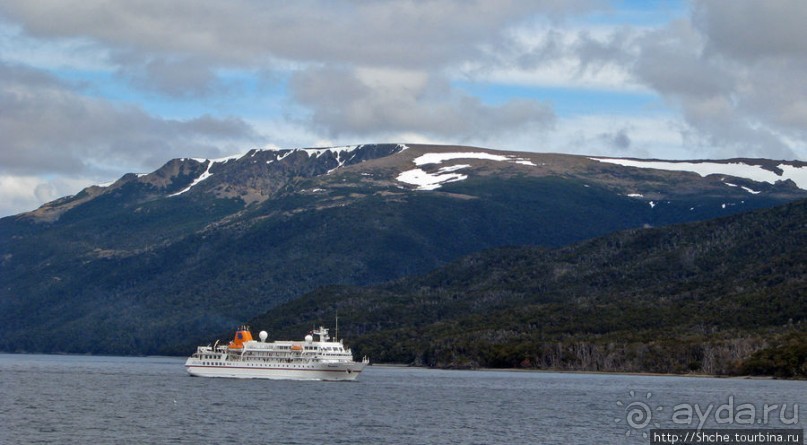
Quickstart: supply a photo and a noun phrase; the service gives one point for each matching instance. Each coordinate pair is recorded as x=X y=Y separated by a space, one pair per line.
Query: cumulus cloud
x=733 y=71
x=546 y=54
x=50 y=127
x=56 y=140
x=178 y=49
x=619 y=140
x=670 y=62
x=384 y=102
x=26 y=192
x=410 y=34
x=729 y=77
x=739 y=99
x=753 y=30
x=174 y=76
x=763 y=43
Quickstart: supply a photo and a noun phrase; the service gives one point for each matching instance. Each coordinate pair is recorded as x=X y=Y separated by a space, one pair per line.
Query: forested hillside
x=154 y=262
x=726 y=296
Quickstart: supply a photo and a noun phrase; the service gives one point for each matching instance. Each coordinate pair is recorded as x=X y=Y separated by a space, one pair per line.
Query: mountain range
x=155 y=262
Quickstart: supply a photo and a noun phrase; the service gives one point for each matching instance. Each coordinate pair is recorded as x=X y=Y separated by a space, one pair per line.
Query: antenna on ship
x=336 y=331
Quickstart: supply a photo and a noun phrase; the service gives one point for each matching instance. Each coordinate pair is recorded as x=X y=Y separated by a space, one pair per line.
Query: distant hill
x=726 y=296
x=157 y=261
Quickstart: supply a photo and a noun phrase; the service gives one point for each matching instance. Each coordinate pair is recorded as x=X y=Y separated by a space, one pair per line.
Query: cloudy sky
x=92 y=89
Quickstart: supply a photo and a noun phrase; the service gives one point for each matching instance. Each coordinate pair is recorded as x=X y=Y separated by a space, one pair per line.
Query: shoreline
x=566 y=371
x=514 y=370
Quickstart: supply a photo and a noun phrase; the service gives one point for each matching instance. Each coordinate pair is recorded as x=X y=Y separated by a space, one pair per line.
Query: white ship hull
x=245 y=358
x=248 y=371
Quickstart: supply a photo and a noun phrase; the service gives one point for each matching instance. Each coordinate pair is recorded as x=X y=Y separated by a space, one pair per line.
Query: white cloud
x=407 y=34
x=76 y=53
x=735 y=71
x=340 y=72
x=548 y=55
x=657 y=136
x=753 y=30
x=20 y=193
x=55 y=138
x=48 y=127
x=376 y=104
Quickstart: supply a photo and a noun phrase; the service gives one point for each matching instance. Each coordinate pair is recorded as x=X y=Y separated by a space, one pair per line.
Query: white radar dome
x=263 y=335
x=309 y=338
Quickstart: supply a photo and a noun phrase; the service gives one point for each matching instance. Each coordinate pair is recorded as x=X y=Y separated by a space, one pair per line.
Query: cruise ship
x=282 y=360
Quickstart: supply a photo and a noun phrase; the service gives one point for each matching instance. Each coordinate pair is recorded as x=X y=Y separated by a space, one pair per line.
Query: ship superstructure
x=245 y=357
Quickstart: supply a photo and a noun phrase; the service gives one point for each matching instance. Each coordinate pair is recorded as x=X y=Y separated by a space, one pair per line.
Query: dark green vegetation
x=61 y=297
x=726 y=296
x=131 y=269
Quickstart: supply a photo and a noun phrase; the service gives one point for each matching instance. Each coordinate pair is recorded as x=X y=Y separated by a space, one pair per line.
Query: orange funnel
x=241 y=336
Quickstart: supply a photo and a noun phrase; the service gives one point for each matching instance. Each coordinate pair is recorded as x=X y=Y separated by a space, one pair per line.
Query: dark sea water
x=122 y=400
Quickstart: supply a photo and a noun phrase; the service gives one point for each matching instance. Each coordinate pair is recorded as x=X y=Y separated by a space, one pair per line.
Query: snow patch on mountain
x=196 y=181
x=747 y=189
x=736 y=169
x=796 y=174
x=439 y=158
x=311 y=152
x=317 y=152
x=343 y=155
x=206 y=174
x=340 y=153
x=453 y=168
x=430 y=181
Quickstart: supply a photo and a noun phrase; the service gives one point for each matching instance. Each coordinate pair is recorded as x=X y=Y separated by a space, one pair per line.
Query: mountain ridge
x=178 y=176
x=200 y=245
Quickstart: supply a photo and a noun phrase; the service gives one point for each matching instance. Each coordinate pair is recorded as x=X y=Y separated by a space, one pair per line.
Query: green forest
x=722 y=297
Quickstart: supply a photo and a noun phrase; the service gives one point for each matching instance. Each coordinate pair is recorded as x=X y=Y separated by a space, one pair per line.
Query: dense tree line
x=726 y=296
